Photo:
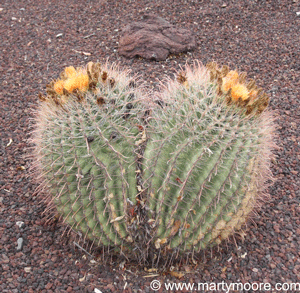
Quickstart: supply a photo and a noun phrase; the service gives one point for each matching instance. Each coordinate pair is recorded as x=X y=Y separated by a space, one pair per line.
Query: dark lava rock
x=154 y=38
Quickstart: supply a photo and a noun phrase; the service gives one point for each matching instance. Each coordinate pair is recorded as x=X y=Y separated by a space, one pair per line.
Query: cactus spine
x=131 y=174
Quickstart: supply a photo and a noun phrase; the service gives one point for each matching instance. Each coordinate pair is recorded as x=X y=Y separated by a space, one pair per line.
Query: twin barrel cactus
x=153 y=177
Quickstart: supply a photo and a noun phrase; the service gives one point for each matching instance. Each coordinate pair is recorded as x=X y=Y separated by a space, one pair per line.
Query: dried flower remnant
x=181 y=78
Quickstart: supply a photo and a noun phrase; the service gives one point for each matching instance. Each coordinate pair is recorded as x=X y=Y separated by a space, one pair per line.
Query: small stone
x=244 y=255
x=298 y=13
x=5 y=267
x=255 y=270
x=20 y=242
x=20 y=224
x=27 y=269
x=19 y=254
x=5 y=258
x=110 y=287
x=276 y=228
x=49 y=286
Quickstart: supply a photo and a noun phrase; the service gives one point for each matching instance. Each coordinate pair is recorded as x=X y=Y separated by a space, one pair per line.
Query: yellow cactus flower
x=82 y=80
x=230 y=80
x=79 y=81
x=70 y=84
x=59 y=86
x=72 y=79
x=239 y=91
x=70 y=71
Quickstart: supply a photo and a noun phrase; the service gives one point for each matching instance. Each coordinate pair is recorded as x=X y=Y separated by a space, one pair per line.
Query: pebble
x=5 y=258
x=20 y=224
x=49 y=286
x=20 y=242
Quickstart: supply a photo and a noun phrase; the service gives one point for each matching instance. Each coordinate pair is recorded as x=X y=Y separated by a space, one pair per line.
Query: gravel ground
x=40 y=38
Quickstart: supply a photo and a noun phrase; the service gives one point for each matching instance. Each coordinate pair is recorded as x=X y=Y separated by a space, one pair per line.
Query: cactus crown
x=233 y=85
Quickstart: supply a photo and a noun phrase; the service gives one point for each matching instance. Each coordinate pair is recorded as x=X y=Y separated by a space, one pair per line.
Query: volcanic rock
x=154 y=38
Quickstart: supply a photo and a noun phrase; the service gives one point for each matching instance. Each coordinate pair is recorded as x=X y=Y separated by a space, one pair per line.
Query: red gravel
x=40 y=38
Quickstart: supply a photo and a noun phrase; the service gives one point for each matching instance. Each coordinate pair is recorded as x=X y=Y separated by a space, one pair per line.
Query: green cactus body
x=87 y=157
x=89 y=185
x=181 y=177
x=201 y=159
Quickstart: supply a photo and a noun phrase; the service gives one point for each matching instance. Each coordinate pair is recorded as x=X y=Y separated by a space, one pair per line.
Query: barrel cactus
x=208 y=156
x=153 y=177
